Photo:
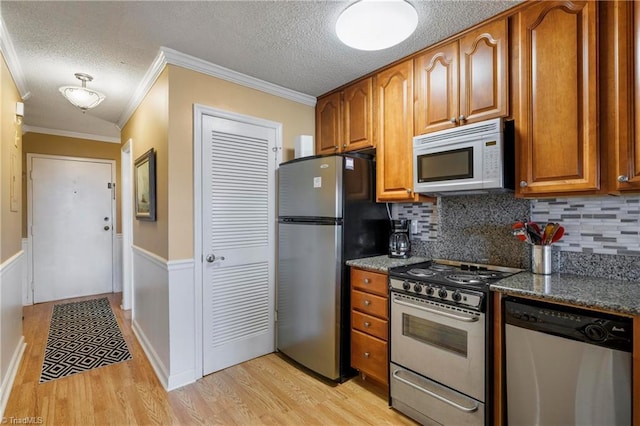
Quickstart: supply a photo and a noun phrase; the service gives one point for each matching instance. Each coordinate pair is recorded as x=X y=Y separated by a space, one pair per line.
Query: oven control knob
x=456 y=296
x=417 y=288
x=429 y=291
x=442 y=293
x=406 y=286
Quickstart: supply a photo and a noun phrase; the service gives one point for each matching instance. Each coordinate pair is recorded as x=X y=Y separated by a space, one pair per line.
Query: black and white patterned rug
x=82 y=336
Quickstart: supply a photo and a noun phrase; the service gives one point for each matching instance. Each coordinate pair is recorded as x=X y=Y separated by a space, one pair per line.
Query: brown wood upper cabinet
x=556 y=98
x=329 y=124
x=393 y=99
x=344 y=119
x=620 y=107
x=464 y=81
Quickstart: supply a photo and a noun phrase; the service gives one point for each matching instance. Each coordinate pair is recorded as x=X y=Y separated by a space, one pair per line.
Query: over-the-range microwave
x=476 y=158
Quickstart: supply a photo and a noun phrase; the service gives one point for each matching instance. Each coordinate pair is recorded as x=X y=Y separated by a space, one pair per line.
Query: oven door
x=441 y=342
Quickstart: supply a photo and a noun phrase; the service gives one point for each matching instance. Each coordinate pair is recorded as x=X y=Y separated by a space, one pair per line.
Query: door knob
x=212 y=258
x=106 y=227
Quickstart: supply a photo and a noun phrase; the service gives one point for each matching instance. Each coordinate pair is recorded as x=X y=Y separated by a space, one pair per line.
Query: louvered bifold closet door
x=238 y=242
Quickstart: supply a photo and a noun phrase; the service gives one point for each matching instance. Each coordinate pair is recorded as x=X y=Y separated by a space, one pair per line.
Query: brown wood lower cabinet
x=370 y=324
x=369 y=355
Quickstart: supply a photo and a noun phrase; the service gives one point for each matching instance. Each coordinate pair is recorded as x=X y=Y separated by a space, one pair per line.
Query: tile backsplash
x=601 y=225
x=473 y=228
x=426 y=214
x=602 y=237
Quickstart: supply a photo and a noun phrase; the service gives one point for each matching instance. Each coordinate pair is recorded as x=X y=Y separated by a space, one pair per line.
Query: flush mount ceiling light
x=82 y=97
x=376 y=24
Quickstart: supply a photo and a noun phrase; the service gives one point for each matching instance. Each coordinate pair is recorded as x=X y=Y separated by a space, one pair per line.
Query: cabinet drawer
x=370 y=325
x=369 y=355
x=369 y=304
x=369 y=281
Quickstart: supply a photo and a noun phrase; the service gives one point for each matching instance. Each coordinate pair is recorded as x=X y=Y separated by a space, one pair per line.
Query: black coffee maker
x=399 y=242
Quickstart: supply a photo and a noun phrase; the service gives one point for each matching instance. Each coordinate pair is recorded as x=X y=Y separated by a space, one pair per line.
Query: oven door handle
x=435 y=311
x=435 y=395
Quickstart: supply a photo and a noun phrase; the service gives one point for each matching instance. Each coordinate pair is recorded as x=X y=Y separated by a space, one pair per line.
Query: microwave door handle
x=435 y=395
x=435 y=311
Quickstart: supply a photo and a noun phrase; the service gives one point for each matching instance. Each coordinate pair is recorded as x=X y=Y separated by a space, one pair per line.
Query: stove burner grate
x=438 y=267
x=465 y=279
x=489 y=274
x=420 y=272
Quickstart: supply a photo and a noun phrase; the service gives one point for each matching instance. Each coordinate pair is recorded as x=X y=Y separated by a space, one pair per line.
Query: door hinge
x=276 y=316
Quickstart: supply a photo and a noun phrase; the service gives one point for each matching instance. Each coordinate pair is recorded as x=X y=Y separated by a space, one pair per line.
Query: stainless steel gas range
x=440 y=334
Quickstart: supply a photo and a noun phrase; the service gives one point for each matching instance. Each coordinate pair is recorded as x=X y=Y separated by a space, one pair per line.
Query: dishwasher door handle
x=435 y=311
x=435 y=395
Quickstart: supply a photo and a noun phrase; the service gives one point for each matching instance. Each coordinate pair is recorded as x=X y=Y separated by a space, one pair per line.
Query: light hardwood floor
x=268 y=390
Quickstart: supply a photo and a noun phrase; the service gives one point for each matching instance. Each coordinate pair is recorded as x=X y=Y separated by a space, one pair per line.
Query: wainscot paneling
x=163 y=316
x=12 y=345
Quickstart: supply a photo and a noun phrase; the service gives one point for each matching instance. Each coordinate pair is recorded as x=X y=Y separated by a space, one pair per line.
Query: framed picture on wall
x=145 y=186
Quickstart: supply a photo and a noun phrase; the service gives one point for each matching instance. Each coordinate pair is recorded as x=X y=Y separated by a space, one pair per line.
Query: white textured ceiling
x=288 y=43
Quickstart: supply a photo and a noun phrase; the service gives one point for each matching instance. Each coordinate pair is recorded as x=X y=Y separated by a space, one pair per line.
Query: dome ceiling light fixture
x=82 y=97
x=376 y=24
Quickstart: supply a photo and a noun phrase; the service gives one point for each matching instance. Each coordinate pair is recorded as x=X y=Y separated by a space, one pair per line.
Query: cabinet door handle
x=523 y=184
x=335 y=147
x=366 y=354
x=462 y=118
x=453 y=120
x=367 y=303
x=409 y=191
x=623 y=178
x=344 y=145
x=366 y=281
x=367 y=324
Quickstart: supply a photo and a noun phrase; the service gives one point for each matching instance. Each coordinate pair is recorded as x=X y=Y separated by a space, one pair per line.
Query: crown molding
x=169 y=56
x=145 y=85
x=9 y=53
x=65 y=133
x=196 y=64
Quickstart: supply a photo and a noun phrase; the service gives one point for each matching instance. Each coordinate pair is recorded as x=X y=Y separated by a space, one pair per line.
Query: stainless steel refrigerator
x=327 y=215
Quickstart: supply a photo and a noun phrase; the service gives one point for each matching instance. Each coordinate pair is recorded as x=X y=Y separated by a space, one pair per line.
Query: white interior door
x=238 y=241
x=71 y=226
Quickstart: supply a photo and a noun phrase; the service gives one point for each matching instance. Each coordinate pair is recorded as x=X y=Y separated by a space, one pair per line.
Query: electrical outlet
x=414 y=227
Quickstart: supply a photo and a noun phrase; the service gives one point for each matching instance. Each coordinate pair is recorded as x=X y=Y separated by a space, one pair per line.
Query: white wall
x=12 y=275
x=166 y=330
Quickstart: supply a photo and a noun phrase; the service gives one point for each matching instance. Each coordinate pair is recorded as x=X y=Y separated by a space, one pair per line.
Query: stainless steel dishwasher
x=566 y=366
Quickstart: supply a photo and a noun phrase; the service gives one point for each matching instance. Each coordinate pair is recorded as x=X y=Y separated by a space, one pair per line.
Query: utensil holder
x=541 y=260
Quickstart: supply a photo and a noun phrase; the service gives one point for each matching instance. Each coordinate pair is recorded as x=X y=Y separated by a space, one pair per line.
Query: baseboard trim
x=7 y=383
x=152 y=356
x=178 y=380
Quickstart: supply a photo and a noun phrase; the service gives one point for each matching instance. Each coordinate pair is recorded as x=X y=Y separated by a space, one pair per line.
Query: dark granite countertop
x=383 y=263
x=598 y=293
